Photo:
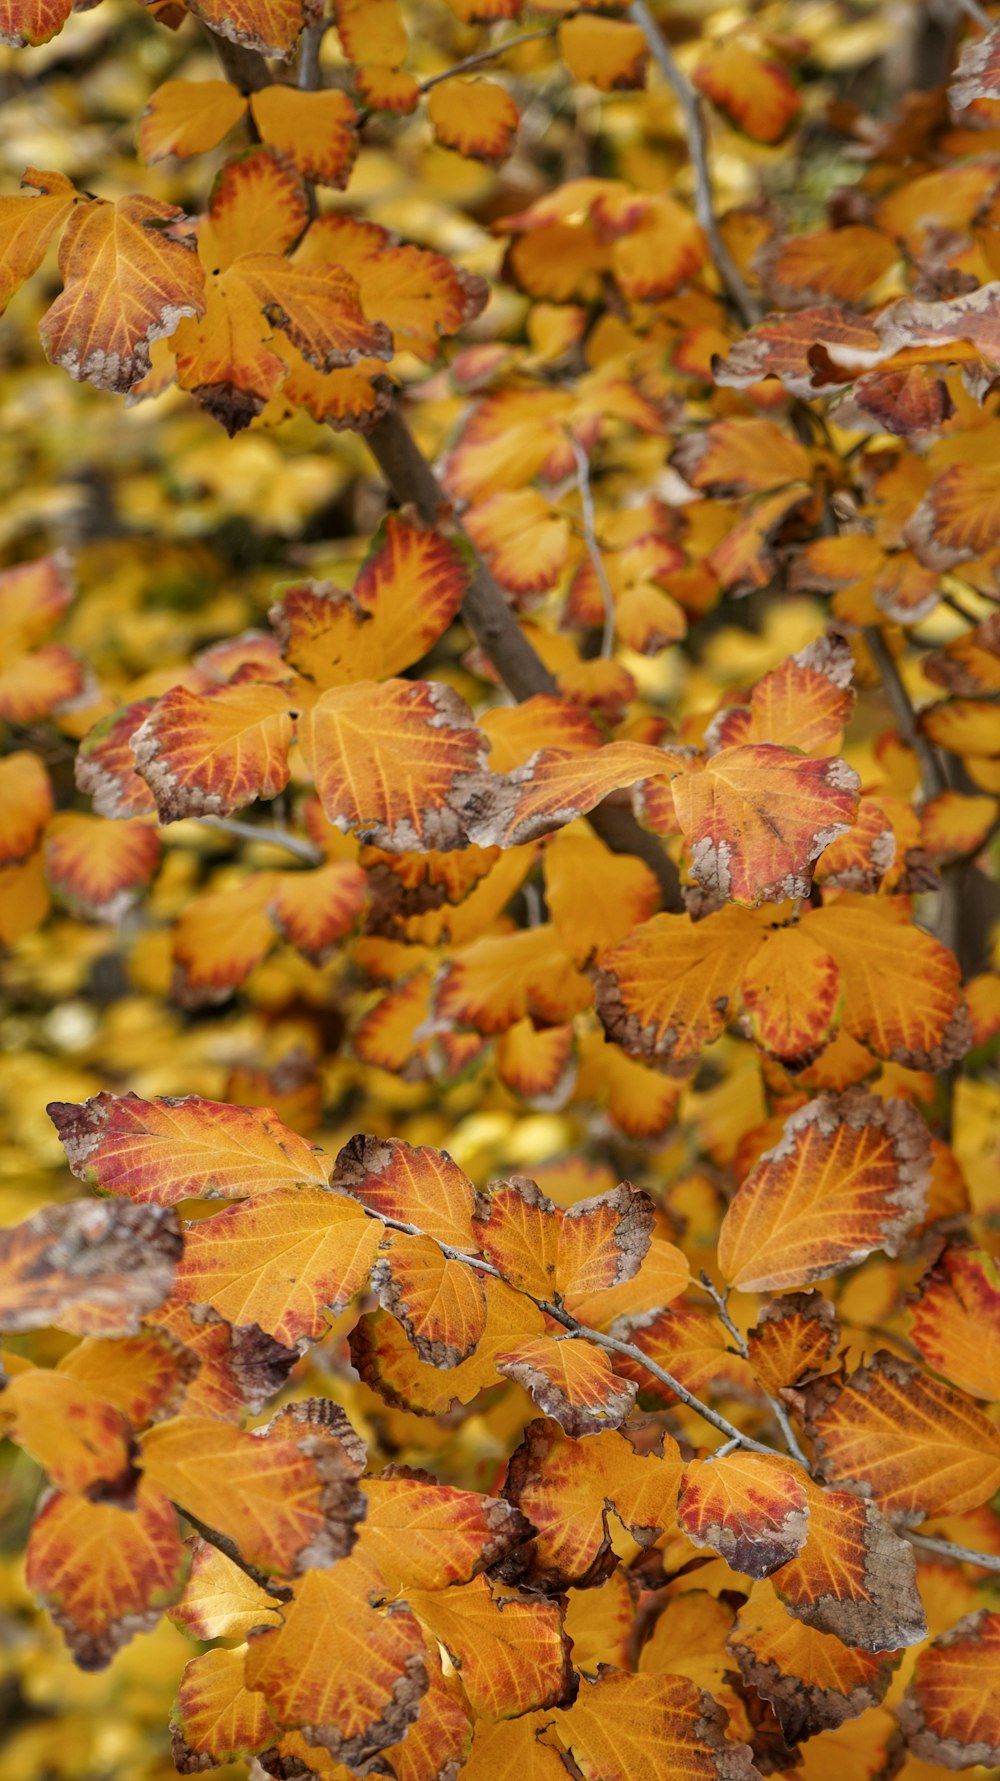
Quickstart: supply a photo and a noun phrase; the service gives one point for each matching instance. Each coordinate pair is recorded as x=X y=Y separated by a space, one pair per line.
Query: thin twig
x=732 y=279
x=597 y=562
x=614 y=1344
x=963 y=1555
x=781 y=1417
x=244 y=68
x=310 y=43
x=486 y=55
x=305 y=851
x=976 y=13
x=932 y=773
x=230 y=1550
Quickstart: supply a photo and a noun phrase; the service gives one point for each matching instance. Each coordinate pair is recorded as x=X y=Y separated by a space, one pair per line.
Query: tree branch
x=486 y=55
x=496 y=630
x=781 y=1416
x=614 y=1344
x=597 y=562
x=748 y=308
x=244 y=68
x=303 y=850
x=960 y=1555
x=230 y=1550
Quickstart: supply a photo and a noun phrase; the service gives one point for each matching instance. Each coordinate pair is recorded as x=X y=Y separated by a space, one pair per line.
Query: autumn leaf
x=794 y=1335
x=99 y=869
x=187 y=117
x=666 y=989
x=751 y=1509
x=425 y=1535
x=948 y=1713
x=28 y=226
x=854 y=1577
x=30 y=22
x=318 y=131
x=511 y=1651
x=87 y=1268
x=219 y=1601
x=387 y=1361
x=439 y=1302
x=902 y=988
x=269 y=26
x=105 y=765
x=474 y=117
x=609 y=53
x=754 y=92
x=623 y=1726
x=409 y=1182
x=211 y=753
x=216 y=1717
x=954 y=1321
x=81 y=1442
x=570 y=1380
x=813 y=1681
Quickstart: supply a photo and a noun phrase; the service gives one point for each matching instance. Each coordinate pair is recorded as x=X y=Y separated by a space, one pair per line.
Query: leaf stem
x=932 y=773
x=303 y=850
x=597 y=562
x=781 y=1417
x=732 y=280
x=486 y=55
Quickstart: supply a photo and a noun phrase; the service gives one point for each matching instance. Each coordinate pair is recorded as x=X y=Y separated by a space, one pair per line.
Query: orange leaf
x=842 y=264
x=372 y=31
x=849 y=1175
x=570 y=1380
x=792 y=995
x=105 y=1573
x=552 y=1253
x=511 y=1651
x=537 y=1064
x=918 y=1447
x=741 y=457
x=223 y=359
x=128 y=280
x=188 y=117
x=35 y=686
x=951 y=1710
x=105 y=765
x=813 y=1681
x=389 y=1364
x=621 y=892
x=357 y=1706
x=662 y=250
x=25 y=805
x=89 y=1269
x=804 y=703
x=751 y=1509
x=971 y=663
x=28 y=226
x=756 y=94
x=953 y=825
x=81 y=1442
x=33 y=597
x=238 y=1369
x=386 y=760
x=956 y=1321
x=318 y=131
x=565 y=1487
x=609 y=53
x=211 y=753
x=317 y=306
x=555 y=785
x=281 y=1261
x=182 y=1148
x=756 y=817
x=794 y=1336
x=854 y=1577
x=141 y=1375
x=425 y=1535
x=418 y=294
x=410 y=1183
x=689 y=1345
x=666 y=990
x=30 y=22
x=285 y=1502
x=216 y=1717
x=474 y=117
x=98 y=868
x=497 y=981
x=407 y=592
x=621 y=1728
x=219 y=1601
x=271 y=27
x=439 y=1303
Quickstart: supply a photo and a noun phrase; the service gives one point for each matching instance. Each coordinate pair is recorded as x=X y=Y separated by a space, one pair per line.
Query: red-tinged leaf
x=570 y=1380
x=497 y=981
x=26 y=23
x=271 y=27
x=860 y=859
x=554 y=786
x=128 y=280
x=34 y=686
x=96 y=868
x=958 y=518
x=33 y=597
x=362 y=1703
x=791 y=996
x=752 y=1510
x=951 y=1711
x=633 y=1728
x=226 y=358
x=524 y=539
x=955 y=1321
x=608 y=53
x=144 y=1376
x=439 y=1303
x=597 y=1244
x=318 y=131
x=902 y=988
x=794 y=1336
x=912 y=403
x=756 y=817
x=542 y=722
x=804 y=703
x=80 y=1441
x=105 y=765
x=812 y=1680
x=662 y=1276
x=476 y=118
x=219 y=939
x=437 y=1744
x=372 y=31
x=660 y=253
x=286 y=1500
x=407 y=592
x=282 y=1261
x=216 y=1718
x=970 y=664
x=313 y=910
x=954 y=825
x=390 y=1365
x=419 y=295
x=538 y=1065
x=25 y=805
x=755 y=93
x=105 y=1573
x=258 y=199
x=690 y=1346
x=424 y=1535
x=219 y=1601
x=188 y=117
x=207 y=754
x=91 y=1269
x=512 y=1652
x=849 y=1175
x=565 y=1488
x=915 y=1445
x=417 y=1185
x=238 y=1369
x=780 y=345
x=182 y=1149
x=317 y=307
x=842 y=264
x=29 y=225
x=667 y=989
x=389 y=760
x=854 y=1577
x=740 y=457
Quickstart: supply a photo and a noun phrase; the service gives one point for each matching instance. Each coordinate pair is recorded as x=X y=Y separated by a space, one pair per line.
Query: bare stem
x=230 y=1550
x=597 y=562
x=976 y=13
x=613 y=1344
x=486 y=55
x=303 y=850
x=932 y=773
x=781 y=1416
x=732 y=280
x=960 y=1555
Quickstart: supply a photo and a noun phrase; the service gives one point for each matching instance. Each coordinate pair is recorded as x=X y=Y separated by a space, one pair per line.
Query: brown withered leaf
x=92 y=1267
